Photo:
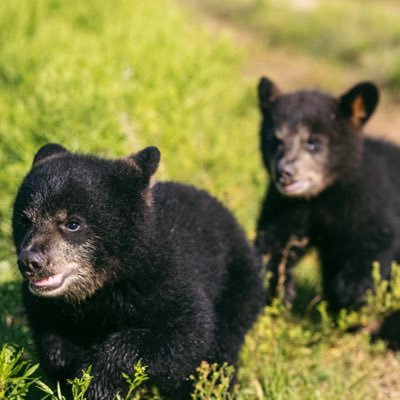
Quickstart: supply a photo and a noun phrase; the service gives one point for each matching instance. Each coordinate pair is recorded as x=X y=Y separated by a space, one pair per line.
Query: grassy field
x=110 y=77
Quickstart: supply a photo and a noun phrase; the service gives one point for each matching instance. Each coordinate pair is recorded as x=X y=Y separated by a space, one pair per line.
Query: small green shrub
x=383 y=300
x=16 y=374
x=139 y=376
x=212 y=382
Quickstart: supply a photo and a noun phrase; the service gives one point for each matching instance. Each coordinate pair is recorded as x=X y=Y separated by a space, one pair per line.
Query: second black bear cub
x=118 y=271
x=330 y=188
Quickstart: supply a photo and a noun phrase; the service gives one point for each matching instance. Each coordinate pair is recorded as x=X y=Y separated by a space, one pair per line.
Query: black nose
x=31 y=261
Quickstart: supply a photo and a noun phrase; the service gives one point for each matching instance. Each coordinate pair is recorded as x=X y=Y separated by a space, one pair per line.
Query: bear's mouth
x=294 y=187
x=49 y=282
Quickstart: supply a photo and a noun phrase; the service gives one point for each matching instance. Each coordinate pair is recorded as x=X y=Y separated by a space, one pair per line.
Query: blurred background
x=321 y=44
x=111 y=77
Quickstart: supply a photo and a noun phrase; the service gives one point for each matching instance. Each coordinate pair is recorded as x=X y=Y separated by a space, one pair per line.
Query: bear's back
x=381 y=177
x=203 y=233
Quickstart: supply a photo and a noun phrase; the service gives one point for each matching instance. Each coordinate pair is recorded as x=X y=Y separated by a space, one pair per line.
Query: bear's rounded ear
x=147 y=160
x=267 y=93
x=48 y=150
x=359 y=102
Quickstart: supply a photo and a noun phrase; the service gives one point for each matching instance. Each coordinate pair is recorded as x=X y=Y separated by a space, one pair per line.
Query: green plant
x=212 y=382
x=50 y=393
x=139 y=376
x=79 y=387
x=16 y=375
x=380 y=301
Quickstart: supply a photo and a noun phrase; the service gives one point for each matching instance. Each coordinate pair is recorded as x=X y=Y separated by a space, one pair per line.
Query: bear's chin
x=51 y=285
x=305 y=188
x=302 y=188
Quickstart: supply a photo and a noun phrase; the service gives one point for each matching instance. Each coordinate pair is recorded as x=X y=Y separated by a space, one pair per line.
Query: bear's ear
x=147 y=160
x=267 y=93
x=48 y=150
x=359 y=102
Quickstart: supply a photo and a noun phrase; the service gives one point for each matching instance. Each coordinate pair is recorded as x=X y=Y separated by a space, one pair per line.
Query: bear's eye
x=312 y=143
x=72 y=225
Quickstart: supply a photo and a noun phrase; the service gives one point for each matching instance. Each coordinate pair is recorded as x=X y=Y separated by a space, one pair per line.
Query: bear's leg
x=347 y=287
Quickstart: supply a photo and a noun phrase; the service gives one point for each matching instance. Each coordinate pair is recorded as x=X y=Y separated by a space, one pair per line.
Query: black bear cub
x=117 y=271
x=330 y=188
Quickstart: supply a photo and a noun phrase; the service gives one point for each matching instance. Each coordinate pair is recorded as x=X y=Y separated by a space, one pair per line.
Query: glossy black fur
x=182 y=281
x=355 y=220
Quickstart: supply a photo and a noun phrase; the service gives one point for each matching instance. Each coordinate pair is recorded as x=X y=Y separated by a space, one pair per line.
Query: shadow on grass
x=13 y=327
x=306 y=301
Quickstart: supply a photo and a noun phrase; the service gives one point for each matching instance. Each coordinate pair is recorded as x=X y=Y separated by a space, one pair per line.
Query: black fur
x=179 y=282
x=355 y=218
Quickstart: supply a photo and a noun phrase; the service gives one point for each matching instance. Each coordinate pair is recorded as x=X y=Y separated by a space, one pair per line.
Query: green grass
x=110 y=77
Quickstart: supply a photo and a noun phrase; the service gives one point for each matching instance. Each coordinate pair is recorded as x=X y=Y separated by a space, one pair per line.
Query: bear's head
x=77 y=217
x=310 y=140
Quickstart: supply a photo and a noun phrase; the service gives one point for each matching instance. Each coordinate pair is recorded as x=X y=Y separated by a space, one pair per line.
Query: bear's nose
x=31 y=261
x=285 y=173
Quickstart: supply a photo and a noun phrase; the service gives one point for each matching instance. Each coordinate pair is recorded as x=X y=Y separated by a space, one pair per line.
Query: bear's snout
x=285 y=172
x=31 y=262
